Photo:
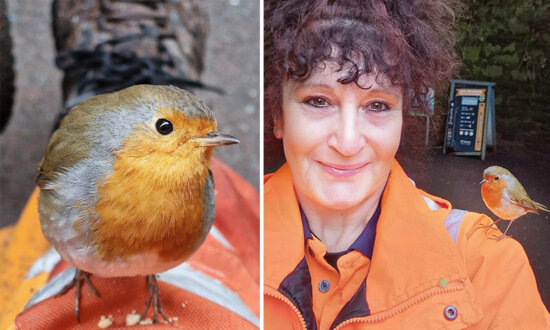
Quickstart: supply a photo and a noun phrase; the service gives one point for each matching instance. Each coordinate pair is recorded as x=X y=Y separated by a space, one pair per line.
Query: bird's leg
x=154 y=295
x=84 y=275
x=487 y=227
x=77 y=282
x=148 y=302
x=498 y=238
x=77 y=298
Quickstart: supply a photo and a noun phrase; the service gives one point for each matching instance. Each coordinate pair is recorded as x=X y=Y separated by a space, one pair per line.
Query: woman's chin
x=341 y=199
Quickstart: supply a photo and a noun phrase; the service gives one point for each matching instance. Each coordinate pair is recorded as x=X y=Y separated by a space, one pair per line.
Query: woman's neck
x=339 y=228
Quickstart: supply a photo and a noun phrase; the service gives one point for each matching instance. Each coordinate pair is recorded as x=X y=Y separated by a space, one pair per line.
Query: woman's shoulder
x=500 y=272
x=477 y=238
x=485 y=257
x=474 y=234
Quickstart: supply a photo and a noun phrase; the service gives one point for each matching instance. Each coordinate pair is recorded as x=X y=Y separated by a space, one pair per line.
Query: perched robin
x=125 y=185
x=506 y=197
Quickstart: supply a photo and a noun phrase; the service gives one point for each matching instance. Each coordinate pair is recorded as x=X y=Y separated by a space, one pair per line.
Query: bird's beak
x=213 y=139
x=483 y=181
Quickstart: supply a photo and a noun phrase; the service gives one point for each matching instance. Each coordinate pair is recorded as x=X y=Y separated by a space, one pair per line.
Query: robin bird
x=506 y=197
x=125 y=184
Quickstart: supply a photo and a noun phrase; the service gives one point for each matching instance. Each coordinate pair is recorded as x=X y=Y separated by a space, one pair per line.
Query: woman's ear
x=277 y=129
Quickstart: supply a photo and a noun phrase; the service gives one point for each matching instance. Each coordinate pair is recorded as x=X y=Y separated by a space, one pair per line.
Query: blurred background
x=231 y=63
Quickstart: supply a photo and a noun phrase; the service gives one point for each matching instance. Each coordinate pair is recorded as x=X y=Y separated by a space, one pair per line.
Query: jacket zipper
x=289 y=303
x=381 y=316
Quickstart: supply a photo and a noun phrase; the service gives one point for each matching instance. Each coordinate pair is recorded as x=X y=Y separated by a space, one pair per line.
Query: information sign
x=471 y=118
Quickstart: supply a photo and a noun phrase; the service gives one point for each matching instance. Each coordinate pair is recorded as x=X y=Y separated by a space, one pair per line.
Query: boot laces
x=106 y=69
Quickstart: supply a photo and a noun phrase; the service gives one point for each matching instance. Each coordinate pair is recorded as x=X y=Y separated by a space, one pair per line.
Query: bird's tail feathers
x=540 y=206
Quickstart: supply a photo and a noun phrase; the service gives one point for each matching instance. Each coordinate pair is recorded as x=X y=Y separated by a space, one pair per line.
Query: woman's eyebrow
x=372 y=91
x=308 y=84
x=384 y=92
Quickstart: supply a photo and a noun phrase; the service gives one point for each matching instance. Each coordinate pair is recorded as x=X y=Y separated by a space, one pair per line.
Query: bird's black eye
x=164 y=126
x=496 y=178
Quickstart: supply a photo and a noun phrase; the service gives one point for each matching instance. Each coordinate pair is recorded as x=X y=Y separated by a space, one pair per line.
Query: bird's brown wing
x=66 y=146
x=523 y=201
x=541 y=206
x=528 y=204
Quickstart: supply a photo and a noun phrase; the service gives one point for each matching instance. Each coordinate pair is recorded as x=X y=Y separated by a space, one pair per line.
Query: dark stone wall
x=508 y=42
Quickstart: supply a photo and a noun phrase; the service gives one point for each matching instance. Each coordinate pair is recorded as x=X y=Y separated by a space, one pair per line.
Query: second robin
x=505 y=197
x=125 y=185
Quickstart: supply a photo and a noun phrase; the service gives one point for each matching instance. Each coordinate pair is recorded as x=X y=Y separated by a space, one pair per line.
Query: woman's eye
x=378 y=107
x=318 y=102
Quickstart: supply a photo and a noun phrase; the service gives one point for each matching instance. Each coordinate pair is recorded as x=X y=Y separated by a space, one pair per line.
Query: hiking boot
x=107 y=45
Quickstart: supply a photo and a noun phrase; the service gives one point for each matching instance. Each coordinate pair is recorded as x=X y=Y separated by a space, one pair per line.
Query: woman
x=350 y=242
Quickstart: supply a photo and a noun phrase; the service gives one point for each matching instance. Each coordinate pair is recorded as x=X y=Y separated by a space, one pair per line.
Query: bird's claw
x=498 y=238
x=486 y=227
x=154 y=295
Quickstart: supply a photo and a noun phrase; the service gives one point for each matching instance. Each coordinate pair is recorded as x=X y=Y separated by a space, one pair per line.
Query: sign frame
x=488 y=135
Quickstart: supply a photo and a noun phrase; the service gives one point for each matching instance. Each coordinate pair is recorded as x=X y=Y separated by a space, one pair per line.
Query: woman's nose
x=347 y=138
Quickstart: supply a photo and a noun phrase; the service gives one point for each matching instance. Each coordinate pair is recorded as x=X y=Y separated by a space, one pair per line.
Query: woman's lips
x=342 y=170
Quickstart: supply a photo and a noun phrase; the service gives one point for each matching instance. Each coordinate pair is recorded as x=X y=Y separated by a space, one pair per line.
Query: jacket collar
x=412 y=252
x=364 y=243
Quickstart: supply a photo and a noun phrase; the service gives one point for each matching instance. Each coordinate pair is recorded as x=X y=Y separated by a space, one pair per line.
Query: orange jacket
x=429 y=270
x=217 y=287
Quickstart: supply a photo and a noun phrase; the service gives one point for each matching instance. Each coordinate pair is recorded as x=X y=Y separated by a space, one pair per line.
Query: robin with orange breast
x=125 y=185
x=505 y=197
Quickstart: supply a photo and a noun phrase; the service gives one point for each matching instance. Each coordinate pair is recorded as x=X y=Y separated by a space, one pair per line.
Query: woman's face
x=339 y=139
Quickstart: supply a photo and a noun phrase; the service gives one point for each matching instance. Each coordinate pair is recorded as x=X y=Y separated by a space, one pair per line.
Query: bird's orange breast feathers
x=154 y=199
x=492 y=192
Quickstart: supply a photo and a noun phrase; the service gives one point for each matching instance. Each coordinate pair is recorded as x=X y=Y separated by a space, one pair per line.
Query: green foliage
x=508 y=42
x=471 y=53
x=492 y=71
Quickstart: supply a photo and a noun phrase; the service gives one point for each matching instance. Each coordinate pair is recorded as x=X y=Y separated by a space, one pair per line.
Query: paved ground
x=232 y=62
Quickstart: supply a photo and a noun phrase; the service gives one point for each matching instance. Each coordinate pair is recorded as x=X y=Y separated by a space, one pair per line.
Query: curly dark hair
x=410 y=42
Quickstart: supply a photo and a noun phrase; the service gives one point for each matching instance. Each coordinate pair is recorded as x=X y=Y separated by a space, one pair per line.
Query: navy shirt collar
x=364 y=243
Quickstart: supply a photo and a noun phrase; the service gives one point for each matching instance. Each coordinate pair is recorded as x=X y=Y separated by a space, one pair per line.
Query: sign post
x=471 y=119
x=415 y=112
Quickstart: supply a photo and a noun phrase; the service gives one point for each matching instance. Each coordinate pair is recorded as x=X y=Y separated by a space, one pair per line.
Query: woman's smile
x=342 y=170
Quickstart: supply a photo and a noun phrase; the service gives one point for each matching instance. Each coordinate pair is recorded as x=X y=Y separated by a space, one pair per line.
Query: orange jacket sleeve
x=504 y=282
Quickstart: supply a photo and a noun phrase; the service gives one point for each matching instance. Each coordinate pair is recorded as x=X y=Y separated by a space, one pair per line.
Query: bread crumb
x=132 y=318
x=105 y=322
x=146 y=321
